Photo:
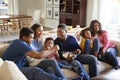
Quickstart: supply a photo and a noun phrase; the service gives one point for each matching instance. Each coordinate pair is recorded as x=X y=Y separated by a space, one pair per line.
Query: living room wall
x=28 y=7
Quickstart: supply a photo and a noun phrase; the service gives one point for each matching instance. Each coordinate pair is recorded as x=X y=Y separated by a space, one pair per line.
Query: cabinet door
x=69 y=6
x=76 y=6
x=83 y=21
x=62 y=17
x=74 y=12
x=76 y=20
x=63 y=6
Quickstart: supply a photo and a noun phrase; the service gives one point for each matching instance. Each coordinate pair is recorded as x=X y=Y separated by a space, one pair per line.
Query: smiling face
x=28 y=39
x=26 y=34
x=49 y=43
x=38 y=32
x=61 y=33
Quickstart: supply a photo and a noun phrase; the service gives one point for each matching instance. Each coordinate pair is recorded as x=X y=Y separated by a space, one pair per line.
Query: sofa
x=8 y=69
x=103 y=68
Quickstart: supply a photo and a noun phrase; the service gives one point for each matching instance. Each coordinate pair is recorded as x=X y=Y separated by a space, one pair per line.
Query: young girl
x=49 y=48
x=89 y=45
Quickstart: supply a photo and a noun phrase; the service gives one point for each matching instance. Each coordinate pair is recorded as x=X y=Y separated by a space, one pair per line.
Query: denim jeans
x=51 y=66
x=91 y=61
x=76 y=63
x=95 y=47
x=113 y=51
x=110 y=57
x=35 y=73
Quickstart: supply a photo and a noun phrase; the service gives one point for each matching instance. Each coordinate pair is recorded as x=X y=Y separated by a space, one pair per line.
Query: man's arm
x=36 y=54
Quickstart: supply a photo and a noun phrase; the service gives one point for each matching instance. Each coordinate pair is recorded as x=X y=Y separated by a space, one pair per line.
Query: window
x=9 y=7
x=3 y=7
x=110 y=17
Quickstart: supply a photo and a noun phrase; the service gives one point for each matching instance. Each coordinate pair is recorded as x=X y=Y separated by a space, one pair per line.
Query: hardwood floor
x=7 y=36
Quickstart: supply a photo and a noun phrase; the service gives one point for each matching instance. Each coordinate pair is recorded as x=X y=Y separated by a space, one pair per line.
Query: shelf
x=62 y=4
x=76 y=2
x=73 y=12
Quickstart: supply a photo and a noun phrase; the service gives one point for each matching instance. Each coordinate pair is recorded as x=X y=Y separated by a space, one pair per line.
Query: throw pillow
x=9 y=71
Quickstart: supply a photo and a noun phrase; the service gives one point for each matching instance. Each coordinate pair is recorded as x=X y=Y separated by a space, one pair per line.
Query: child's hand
x=45 y=54
x=56 y=47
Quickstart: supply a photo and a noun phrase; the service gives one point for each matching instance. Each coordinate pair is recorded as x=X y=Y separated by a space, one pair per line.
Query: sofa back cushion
x=3 y=48
x=9 y=71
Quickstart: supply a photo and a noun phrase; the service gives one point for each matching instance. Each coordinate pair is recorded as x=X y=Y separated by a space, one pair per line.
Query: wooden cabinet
x=73 y=12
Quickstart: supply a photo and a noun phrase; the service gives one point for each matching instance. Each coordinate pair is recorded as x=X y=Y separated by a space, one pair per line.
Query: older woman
x=38 y=39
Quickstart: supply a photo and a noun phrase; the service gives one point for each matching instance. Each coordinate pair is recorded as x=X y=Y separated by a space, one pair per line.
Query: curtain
x=110 y=11
x=110 y=17
x=13 y=7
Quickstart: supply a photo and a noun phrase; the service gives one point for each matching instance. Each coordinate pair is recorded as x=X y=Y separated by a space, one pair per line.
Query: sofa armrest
x=117 y=43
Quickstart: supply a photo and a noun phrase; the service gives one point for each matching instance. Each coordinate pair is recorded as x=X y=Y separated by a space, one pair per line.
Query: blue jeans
x=35 y=73
x=95 y=47
x=51 y=66
x=89 y=60
x=113 y=51
x=75 y=63
x=110 y=57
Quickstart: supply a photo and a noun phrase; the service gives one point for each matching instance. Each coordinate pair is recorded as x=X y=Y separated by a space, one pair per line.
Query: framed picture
x=55 y=13
x=56 y=2
x=49 y=2
x=49 y=12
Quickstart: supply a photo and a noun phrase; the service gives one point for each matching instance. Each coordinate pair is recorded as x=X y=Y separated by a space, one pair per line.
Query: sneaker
x=117 y=67
x=75 y=69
